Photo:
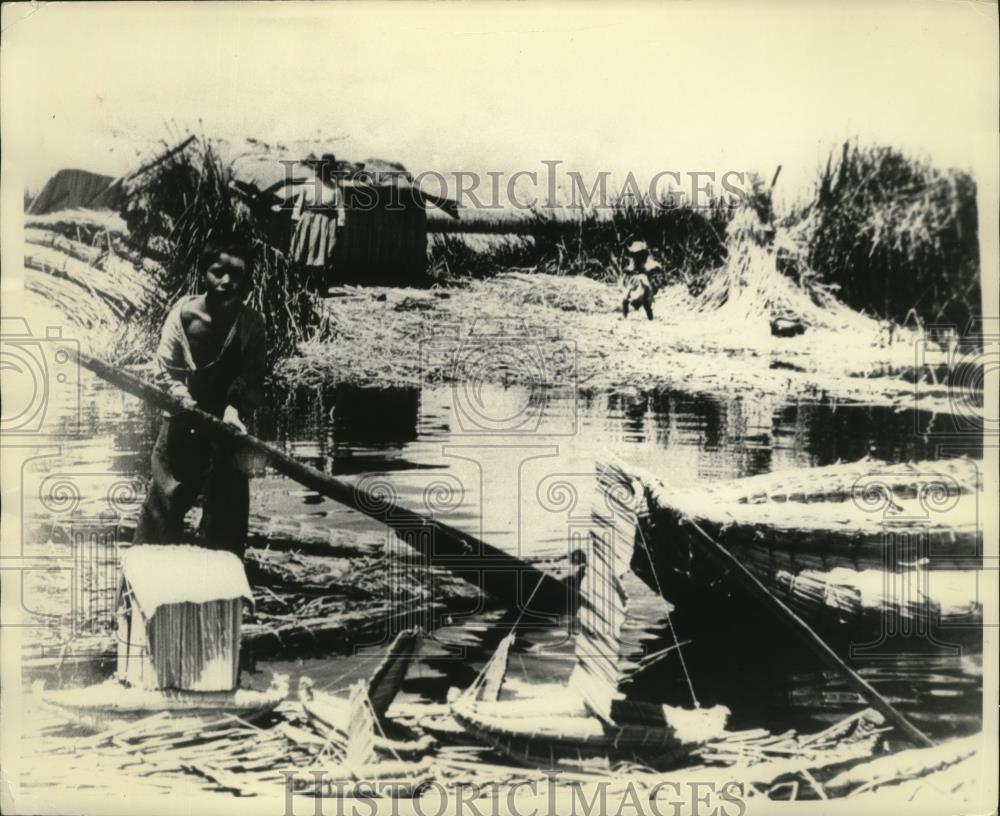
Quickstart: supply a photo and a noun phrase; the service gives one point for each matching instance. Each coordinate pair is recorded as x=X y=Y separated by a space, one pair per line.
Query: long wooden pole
x=467 y=551
x=811 y=639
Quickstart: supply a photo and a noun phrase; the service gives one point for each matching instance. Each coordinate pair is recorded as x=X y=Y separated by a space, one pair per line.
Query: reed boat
x=605 y=713
x=848 y=546
x=330 y=714
x=556 y=727
x=356 y=738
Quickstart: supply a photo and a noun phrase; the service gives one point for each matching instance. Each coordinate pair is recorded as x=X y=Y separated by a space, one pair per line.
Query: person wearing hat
x=639 y=265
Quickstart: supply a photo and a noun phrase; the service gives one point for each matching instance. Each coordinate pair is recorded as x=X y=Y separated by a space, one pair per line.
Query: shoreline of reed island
x=566 y=332
x=887 y=246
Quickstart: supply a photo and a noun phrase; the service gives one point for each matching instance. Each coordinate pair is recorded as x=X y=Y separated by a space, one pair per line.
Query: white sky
x=642 y=87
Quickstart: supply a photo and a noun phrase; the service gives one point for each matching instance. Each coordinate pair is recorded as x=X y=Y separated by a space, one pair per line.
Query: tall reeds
x=688 y=241
x=897 y=236
x=181 y=203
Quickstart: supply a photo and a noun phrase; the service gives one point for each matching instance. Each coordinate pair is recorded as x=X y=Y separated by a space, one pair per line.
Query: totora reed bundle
x=186 y=200
x=751 y=289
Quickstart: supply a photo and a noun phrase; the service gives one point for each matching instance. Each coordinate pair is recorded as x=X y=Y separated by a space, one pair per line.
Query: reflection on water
x=515 y=468
x=528 y=485
x=521 y=478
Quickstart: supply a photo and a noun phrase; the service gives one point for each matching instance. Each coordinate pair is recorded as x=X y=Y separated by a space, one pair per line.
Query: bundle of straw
x=749 y=291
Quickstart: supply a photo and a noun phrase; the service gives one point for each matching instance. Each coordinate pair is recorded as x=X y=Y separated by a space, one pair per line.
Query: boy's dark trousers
x=188 y=461
x=646 y=301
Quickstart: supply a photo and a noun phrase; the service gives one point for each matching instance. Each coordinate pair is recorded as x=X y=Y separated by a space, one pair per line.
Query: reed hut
x=71 y=189
x=349 y=222
x=179 y=614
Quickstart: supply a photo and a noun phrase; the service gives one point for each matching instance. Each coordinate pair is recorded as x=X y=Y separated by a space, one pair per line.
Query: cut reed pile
x=78 y=304
x=94 y=249
x=221 y=754
x=748 y=292
x=85 y=263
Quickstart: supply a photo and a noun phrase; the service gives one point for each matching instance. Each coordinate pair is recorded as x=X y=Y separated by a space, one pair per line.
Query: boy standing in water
x=211 y=356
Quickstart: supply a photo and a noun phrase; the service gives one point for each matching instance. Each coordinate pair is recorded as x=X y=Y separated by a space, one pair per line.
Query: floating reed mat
x=368 y=336
x=225 y=753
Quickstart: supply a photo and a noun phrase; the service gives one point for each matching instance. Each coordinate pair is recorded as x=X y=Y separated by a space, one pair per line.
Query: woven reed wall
x=383 y=239
x=194 y=647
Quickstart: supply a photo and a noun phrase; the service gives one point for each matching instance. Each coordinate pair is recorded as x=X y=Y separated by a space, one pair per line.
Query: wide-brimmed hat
x=636 y=247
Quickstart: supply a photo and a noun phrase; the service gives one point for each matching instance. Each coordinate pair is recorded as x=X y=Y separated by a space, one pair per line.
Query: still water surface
x=515 y=467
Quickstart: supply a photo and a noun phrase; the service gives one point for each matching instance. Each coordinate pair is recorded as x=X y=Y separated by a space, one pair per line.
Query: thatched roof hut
x=355 y=222
x=70 y=189
x=179 y=614
x=349 y=222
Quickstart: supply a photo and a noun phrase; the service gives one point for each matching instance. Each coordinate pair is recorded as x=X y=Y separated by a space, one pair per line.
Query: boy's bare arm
x=172 y=368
